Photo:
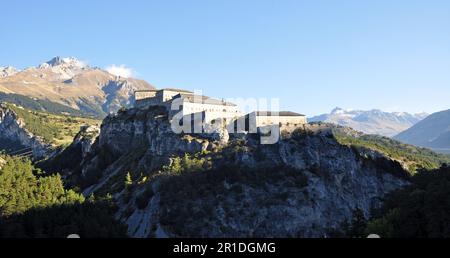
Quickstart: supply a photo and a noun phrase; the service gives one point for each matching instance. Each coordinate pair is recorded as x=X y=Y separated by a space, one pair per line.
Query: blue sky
x=313 y=55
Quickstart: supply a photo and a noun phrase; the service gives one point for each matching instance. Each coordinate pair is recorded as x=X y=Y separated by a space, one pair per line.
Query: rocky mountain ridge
x=372 y=121
x=73 y=83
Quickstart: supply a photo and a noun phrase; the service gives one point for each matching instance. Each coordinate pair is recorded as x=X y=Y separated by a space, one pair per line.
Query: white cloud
x=120 y=70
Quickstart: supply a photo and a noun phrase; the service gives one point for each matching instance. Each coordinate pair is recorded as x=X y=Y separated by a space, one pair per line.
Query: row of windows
x=281 y=124
x=212 y=110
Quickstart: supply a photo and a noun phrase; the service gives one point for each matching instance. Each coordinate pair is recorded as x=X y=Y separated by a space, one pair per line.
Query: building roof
x=168 y=89
x=280 y=113
x=205 y=100
x=145 y=91
x=176 y=90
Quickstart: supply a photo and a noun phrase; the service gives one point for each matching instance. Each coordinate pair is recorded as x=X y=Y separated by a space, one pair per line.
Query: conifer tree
x=128 y=180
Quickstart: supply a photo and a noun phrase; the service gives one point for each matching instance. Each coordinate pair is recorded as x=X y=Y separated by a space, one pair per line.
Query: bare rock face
x=13 y=128
x=135 y=128
x=217 y=132
x=86 y=138
x=67 y=161
x=305 y=186
x=144 y=136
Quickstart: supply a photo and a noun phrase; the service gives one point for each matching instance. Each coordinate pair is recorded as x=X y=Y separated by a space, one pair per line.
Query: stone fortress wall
x=210 y=110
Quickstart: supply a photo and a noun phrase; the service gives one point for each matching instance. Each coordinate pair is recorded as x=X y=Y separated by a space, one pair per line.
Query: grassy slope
x=46 y=106
x=54 y=129
x=414 y=158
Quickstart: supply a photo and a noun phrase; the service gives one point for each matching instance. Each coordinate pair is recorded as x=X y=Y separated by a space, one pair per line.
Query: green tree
x=34 y=205
x=357 y=225
x=128 y=180
x=420 y=210
x=21 y=189
x=176 y=166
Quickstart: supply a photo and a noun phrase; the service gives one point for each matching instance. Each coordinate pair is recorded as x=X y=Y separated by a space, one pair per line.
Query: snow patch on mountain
x=67 y=62
x=66 y=68
x=371 y=122
x=7 y=71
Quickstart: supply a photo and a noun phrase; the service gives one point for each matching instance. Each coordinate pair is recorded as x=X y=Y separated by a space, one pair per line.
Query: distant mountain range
x=372 y=121
x=72 y=83
x=432 y=132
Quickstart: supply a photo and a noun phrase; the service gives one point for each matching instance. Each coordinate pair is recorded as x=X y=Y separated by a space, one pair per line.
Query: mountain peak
x=72 y=83
x=7 y=71
x=337 y=110
x=64 y=68
x=57 y=61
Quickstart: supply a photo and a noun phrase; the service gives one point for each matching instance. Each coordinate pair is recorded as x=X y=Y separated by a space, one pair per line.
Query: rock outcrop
x=68 y=160
x=86 y=138
x=13 y=129
x=146 y=134
x=307 y=185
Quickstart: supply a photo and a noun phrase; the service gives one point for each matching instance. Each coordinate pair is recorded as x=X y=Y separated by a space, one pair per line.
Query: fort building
x=284 y=119
x=186 y=104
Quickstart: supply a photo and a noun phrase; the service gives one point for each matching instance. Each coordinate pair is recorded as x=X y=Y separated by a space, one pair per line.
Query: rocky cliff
x=307 y=185
x=13 y=132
